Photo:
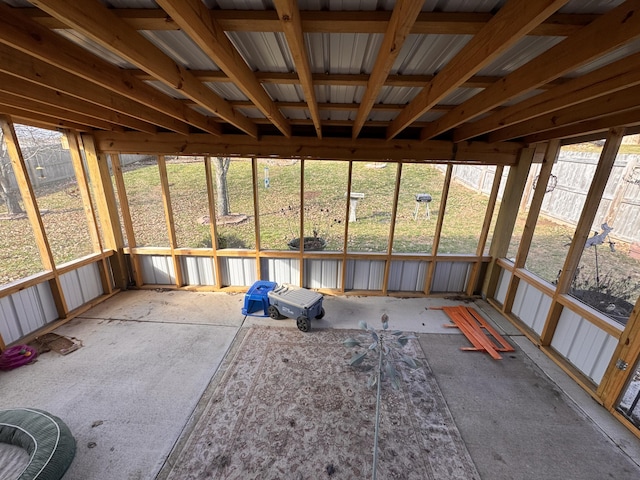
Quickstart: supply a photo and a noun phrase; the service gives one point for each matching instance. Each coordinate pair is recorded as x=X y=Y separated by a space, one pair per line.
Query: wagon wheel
x=274 y=313
x=303 y=323
x=321 y=314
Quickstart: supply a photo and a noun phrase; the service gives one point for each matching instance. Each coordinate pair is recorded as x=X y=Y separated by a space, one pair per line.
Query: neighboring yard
x=325 y=186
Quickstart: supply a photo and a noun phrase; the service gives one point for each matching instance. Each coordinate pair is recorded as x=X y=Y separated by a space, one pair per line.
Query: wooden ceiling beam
x=402 y=19
x=289 y=15
x=441 y=23
x=25 y=67
x=309 y=147
x=196 y=20
x=512 y=22
x=341 y=107
x=93 y=19
x=23 y=34
x=605 y=80
x=620 y=101
x=64 y=115
x=22 y=88
x=613 y=29
x=39 y=120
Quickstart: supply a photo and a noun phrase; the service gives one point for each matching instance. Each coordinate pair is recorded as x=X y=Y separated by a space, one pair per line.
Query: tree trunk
x=222 y=193
x=9 y=195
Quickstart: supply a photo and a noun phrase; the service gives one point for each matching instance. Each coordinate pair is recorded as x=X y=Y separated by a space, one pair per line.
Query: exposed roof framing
x=518 y=71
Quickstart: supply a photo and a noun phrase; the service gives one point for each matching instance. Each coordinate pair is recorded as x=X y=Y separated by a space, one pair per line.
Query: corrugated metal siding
x=583 y=344
x=281 y=270
x=94 y=48
x=503 y=285
x=157 y=270
x=239 y=272
x=427 y=54
x=407 y=276
x=322 y=273
x=365 y=274
x=451 y=277
x=525 y=50
x=177 y=45
x=26 y=311
x=81 y=286
x=198 y=270
x=531 y=306
x=342 y=53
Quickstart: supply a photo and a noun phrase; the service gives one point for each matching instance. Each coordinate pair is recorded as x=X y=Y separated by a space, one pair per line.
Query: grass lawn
x=325 y=187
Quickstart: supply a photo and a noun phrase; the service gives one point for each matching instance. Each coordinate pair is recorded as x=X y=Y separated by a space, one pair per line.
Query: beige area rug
x=288 y=406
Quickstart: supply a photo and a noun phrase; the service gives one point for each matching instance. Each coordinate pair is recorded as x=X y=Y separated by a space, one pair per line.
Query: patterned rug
x=287 y=405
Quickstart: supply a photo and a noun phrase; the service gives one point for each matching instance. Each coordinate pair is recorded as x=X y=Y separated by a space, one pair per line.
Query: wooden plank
x=613 y=77
x=392 y=231
x=24 y=66
x=405 y=13
x=168 y=216
x=477 y=338
x=289 y=15
x=438 y=230
x=39 y=120
x=19 y=32
x=95 y=20
x=512 y=22
x=198 y=22
x=436 y=23
x=504 y=345
x=617 y=27
x=213 y=224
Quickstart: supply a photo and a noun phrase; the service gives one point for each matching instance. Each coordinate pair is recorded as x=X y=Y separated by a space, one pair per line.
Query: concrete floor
x=148 y=357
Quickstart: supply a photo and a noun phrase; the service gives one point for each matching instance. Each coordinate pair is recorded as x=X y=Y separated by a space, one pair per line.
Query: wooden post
x=594 y=196
x=213 y=224
x=256 y=213
x=168 y=216
x=31 y=207
x=507 y=216
x=107 y=209
x=394 y=211
x=345 y=245
x=73 y=141
x=436 y=236
x=550 y=158
x=486 y=225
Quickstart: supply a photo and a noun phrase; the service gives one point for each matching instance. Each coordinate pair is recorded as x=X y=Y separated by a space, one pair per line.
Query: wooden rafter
x=402 y=19
x=40 y=120
x=94 y=20
x=23 y=34
x=41 y=73
x=620 y=101
x=617 y=27
x=197 y=21
x=442 y=23
x=512 y=22
x=290 y=18
x=615 y=76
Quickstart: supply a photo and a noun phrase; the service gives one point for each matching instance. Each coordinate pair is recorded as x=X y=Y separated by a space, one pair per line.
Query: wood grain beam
x=309 y=147
x=512 y=22
x=608 y=79
x=10 y=85
x=39 y=120
x=23 y=34
x=93 y=19
x=35 y=71
x=289 y=15
x=440 y=23
x=620 y=101
x=195 y=19
x=630 y=118
x=613 y=29
x=402 y=19
x=36 y=107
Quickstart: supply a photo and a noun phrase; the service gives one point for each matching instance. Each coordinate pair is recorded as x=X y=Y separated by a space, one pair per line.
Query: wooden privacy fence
x=620 y=204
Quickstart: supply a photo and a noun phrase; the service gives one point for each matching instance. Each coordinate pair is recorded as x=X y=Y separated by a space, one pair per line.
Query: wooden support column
x=345 y=245
x=256 y=214
x=31 y=207
x=507 y=215
x=550 y=158
x=168 y=216
x=436 y=236
x=73 y=140
x=394 y=211
x=486 y=225
x=583 y=229
x=213 y=225
x=107 y=209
